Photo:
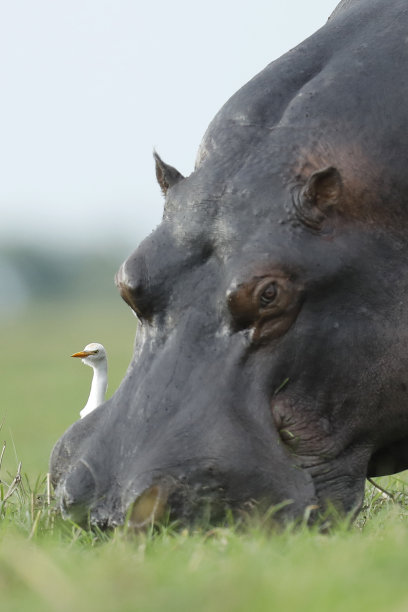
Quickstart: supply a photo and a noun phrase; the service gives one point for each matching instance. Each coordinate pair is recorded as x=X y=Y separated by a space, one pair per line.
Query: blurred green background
x=51 y=305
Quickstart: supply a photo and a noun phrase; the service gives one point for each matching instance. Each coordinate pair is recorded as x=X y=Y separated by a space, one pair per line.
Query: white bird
x=94 y=355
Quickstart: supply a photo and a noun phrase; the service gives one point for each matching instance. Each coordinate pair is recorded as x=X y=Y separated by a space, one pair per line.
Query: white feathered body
x=94 y=355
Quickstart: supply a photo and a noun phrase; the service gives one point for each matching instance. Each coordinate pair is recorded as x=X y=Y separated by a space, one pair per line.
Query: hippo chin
x=271 y=358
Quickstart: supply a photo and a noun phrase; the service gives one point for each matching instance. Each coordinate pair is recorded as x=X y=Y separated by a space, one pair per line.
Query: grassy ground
x=46 y=564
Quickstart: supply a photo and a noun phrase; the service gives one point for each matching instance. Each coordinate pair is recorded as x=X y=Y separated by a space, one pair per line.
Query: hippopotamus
x=270 y=366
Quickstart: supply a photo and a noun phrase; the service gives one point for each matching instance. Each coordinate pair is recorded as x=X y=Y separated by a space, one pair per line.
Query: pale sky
x=90 y=87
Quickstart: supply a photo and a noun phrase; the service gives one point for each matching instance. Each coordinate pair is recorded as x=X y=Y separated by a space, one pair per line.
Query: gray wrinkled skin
x=271 y=361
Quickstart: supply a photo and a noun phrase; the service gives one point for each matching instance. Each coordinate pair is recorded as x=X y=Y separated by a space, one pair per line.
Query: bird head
x=92 y=354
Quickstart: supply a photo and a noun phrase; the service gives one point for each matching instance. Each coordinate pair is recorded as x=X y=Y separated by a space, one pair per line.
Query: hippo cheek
x=334 y=458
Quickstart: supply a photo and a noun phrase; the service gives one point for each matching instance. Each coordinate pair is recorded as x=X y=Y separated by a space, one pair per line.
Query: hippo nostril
x=77 y=493
x=149 y=507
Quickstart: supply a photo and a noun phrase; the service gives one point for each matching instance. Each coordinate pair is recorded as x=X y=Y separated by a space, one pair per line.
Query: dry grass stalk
x=14 y=484
x=35 y=523
x=379 y=488
x=2 y=454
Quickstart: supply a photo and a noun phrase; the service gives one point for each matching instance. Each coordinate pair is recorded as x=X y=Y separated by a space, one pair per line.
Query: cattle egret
x=94 y=355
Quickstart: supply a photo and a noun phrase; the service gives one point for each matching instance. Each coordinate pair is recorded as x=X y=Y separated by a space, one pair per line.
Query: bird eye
x=269 y=294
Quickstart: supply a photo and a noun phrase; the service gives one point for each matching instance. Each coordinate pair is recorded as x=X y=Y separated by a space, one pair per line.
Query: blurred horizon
x=34 y=275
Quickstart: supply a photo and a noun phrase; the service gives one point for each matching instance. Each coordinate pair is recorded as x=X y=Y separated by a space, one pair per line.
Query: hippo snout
x=167 y=496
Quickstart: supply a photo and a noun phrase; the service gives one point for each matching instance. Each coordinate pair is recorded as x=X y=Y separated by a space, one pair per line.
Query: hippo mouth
x=179 y=505
x=173 y=503
x=184 y=508
x=168 y=500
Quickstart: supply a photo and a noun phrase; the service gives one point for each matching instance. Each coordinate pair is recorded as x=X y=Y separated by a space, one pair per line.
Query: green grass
x=47 y=564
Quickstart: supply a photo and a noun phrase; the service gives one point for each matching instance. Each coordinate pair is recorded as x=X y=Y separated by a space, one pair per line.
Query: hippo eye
x=269 y=295
x=269 y=304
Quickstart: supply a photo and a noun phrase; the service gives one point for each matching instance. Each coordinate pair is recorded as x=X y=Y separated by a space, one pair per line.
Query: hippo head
x=270 y=357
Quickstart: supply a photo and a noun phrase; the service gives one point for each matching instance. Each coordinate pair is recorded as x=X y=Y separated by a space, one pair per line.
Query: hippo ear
x=320 y=195
x=166 y=175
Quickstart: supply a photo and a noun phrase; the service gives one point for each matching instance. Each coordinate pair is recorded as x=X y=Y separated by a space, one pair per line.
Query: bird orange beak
x=82 y=354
